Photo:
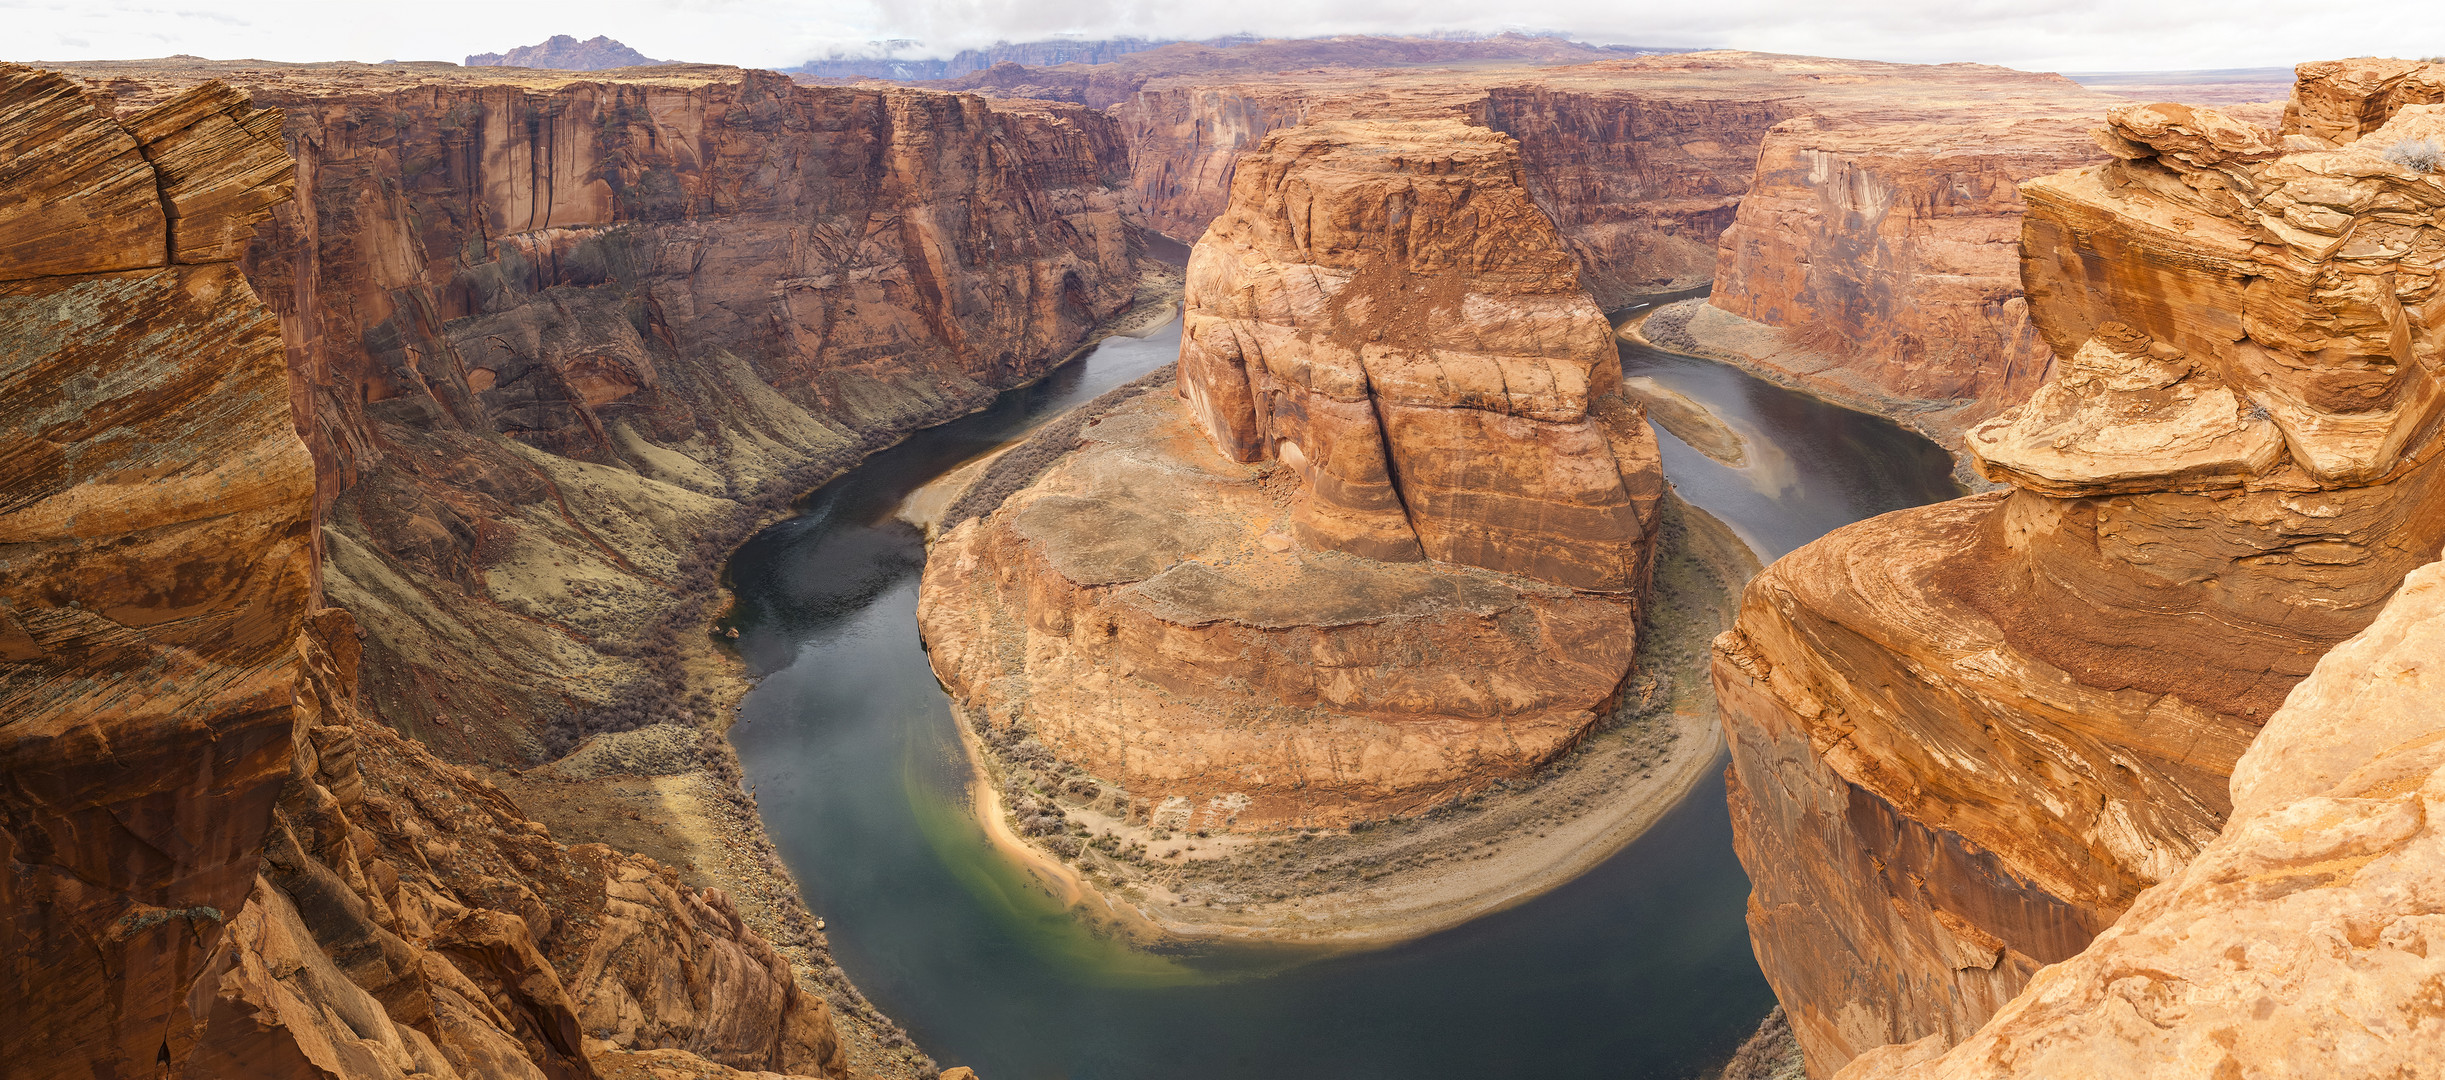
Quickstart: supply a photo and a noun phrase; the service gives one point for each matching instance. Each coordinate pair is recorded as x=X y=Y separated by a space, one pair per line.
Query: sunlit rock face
x=1966 y=737
x=1383 y=545
x=558 y=337
x=1385 y=311
x=2304 y=940
x=217 y=865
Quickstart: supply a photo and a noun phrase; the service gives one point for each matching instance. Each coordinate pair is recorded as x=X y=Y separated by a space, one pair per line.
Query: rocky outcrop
x=1967 y=737
x=1877 y=257
x=558 y=338
x=217 y=865
x=1385 y=549
x=2301 y=941
x=1877 y=209
x=564 y=53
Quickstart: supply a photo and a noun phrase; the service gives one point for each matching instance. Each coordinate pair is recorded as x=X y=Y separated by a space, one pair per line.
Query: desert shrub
x=2417 y=155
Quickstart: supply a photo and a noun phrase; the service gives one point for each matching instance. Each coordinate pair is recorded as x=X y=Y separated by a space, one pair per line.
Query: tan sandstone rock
x=2304 y=941
x=1967 y=737
x=216 y=864
x=1385 y=549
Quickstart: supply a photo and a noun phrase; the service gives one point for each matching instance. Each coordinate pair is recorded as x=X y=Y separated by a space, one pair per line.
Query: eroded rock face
x=1882 y=249
x=1385 y=311
x=216 y=864
x=556 y=337
x=1137 y=613
x=1967 y=737
x=2303 y=940
x=1384 y=546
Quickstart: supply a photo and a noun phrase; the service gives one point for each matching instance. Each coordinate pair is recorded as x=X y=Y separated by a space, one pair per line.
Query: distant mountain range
x=966 y=61
x=564 y=53
x=888 y=60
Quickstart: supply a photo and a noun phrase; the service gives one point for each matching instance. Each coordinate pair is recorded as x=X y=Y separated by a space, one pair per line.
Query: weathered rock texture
x=1880 y=253
x=1966 y=737
x=2304 y=941
x=1387 y=546
x=557 y=339
x=216 y=865
x=1642 y=163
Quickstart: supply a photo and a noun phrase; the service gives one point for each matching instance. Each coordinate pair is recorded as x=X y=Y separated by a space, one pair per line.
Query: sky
x=2049 y=35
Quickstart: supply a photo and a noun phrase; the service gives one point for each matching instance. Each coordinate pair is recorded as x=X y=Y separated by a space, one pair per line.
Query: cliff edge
x=219 y=865
x=1967 y=737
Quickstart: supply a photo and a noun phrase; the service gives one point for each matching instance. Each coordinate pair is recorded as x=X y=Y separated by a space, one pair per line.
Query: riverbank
x=1159 y=882
x=675 y=792
x=1692 y=327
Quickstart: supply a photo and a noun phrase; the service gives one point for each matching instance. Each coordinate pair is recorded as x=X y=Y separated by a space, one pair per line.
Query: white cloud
x=2039 y=34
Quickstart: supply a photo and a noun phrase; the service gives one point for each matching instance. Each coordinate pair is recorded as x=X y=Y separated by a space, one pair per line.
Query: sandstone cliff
x=558 y=341
x=1387 y=546
x=1643 y=163
x=1875 y=260
x=217 y=865
x=2302 y=941
x=1967 y=737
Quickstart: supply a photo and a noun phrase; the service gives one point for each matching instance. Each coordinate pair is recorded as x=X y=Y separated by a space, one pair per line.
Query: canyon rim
x=376 y=440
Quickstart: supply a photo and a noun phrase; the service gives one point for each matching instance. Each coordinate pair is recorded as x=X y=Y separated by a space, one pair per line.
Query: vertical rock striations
x=557 y=337
x=2303 y=941
x=216 y=864
x=1386 y=548
x=1876 y=257
x=1966 y=737
x=1385 y=310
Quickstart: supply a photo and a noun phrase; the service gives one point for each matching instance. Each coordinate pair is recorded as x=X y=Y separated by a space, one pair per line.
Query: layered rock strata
x=1967 y=737
x=217 y=865
x=2303 y=940
x=1872 y=261
x=1643 y=164
x=1387 y=546
x=557 y=337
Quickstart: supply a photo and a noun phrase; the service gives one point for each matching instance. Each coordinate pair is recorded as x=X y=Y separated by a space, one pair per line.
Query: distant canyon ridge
x=507 y=357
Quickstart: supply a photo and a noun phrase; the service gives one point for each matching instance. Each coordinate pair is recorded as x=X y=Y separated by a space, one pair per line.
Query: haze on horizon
x=2059 y=35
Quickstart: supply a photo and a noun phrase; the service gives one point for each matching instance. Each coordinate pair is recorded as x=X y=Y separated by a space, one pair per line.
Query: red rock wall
x=1967 y=737
x=1640 y=183
x=217 y=864
x=716 y=285
x=1890 y=249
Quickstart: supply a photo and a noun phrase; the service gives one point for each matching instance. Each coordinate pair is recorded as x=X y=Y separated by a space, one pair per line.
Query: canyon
x=219 y=864
x=1384 y=545
x=538 y=349
x=375 y=435
x=1967 y=738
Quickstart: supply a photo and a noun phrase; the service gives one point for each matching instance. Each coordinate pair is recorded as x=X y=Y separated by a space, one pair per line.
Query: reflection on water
x=1640 y=968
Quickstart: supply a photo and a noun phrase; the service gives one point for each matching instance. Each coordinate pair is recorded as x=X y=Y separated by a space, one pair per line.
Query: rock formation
x=1966 y=737
x=1385 y=549
x=1853 y=216
x=564 y=53
x=558 y=337
x=217 y=865
x=1875 y=260
x=2303 y=940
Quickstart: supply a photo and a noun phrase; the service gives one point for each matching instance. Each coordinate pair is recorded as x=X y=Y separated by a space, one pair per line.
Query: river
x=1639 y=969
